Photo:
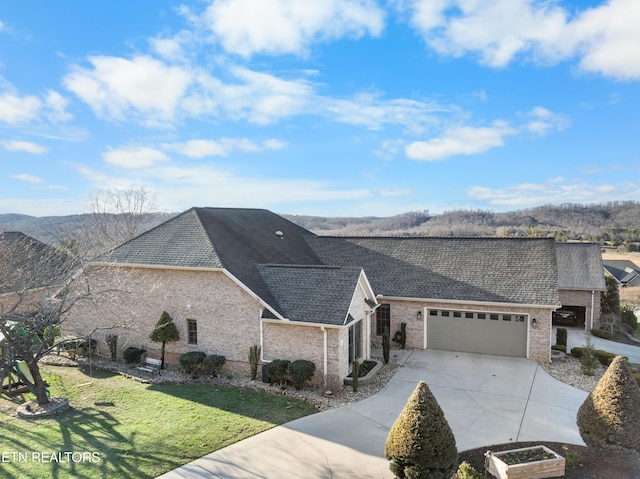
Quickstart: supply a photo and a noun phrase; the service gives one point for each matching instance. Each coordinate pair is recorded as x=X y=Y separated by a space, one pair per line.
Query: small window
x=457 y=314
x=520 y=319
x=383 y=319
x=433 y=312
x=355 y=341
x=482 y=316
x=192 y=331
x=468 y=315
x=506 y=317
x=445 y=313
x=493 y=317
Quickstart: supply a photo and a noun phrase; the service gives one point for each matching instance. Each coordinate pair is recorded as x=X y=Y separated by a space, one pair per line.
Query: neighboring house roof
x=509 y=270
x=580 y=267
x=306 y=293
x=27 y=264
x=623 y=271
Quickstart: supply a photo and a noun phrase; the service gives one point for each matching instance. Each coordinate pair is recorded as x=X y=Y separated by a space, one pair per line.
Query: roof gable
x=580 y=266
x=317 y=294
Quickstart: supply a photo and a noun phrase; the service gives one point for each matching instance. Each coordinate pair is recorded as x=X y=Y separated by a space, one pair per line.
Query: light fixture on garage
x=419 y=315
x=534 y=323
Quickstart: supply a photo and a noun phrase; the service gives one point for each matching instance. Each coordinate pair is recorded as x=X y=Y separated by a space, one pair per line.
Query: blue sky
x=335 y=108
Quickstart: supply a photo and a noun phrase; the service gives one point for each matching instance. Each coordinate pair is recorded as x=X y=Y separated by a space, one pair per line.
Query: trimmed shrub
x=213 y=364
x=300 y=371
x=132 y=355
x=609 y=419
x=165 y=331
x=604 y=357
x=601 y=333
x=577 y=352
x=277 y=370
x=420 y=444
x=403 y=335
x=561 y=337
x=191 y=361
x=559 y=347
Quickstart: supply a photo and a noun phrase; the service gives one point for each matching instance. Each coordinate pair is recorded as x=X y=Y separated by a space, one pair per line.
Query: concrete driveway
x=486 y=400
x=577 y=337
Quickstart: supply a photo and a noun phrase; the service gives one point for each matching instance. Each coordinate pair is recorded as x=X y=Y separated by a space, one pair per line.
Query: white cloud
x=462 y=140
x=55 y=107
x=246 y=27
x=134 y=157
x=19 y=109
x=603 y=38
x=181 y=187
x=541 y=121
x=26 y=146
x=28 y=178
x=116 y=88
x=560 y=190
x=223 y=147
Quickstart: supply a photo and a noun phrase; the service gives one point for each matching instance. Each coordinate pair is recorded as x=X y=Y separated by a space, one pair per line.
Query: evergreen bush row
x=195 y=361
x=297 y=372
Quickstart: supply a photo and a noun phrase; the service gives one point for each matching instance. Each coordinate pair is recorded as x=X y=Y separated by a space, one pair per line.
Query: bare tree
x=35 y=294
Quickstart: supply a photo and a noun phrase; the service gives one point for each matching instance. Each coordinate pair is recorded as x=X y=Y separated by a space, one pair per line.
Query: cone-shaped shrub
x=609 y=419
x=421 y=445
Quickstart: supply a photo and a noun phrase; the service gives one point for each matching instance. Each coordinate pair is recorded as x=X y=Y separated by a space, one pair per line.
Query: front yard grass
x=117 y=427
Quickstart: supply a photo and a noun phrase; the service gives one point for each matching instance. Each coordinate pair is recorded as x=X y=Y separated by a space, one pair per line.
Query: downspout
x=593 y=295
x=261 y=340
x=325 y=348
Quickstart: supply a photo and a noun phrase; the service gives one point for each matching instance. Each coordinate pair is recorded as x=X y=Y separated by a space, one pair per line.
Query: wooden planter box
x=527 y=470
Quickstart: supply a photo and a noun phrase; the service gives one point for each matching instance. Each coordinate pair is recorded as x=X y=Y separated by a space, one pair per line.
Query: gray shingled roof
x=623 y=270
x=236 y=239
x=580 y=267
x=26 y=263
x=180 y=241
x=509 y=270
x=319 y=294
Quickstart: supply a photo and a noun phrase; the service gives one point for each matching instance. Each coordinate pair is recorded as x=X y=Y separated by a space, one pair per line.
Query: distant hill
x=613 y=223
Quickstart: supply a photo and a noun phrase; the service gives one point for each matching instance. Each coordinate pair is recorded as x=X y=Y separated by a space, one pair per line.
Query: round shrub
x=191 y=361
x=609 y=419
x=277 y=370
x=213 y=364
x=420 y=444
x=132 y=355
x=559 y=347
x=300 y=371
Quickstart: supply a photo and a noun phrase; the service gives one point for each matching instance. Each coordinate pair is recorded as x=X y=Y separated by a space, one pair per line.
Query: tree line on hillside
x=117 y=217
x=614 y=223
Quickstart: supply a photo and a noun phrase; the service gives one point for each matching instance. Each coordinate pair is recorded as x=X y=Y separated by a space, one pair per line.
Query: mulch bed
x=582 y=463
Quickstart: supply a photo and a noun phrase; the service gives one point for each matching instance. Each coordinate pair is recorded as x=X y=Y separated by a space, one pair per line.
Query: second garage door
x=477 y=332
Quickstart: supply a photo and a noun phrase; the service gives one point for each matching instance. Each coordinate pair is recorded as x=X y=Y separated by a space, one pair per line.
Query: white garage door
x=477 y=332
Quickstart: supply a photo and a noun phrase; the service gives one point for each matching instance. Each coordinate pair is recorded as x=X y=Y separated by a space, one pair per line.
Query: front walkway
x=486 y=399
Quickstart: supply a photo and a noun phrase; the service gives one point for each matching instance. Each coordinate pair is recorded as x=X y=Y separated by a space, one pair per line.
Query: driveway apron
x=486 y=400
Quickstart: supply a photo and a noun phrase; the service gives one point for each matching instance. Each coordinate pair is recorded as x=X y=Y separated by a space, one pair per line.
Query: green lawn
x=120 y=428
